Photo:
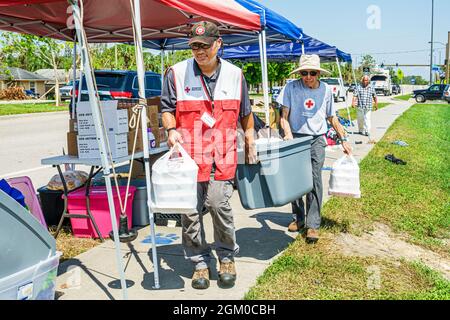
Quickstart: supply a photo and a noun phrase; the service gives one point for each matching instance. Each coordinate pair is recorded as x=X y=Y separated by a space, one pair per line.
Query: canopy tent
x=110 y=21
x=285 y=52
x=274 y=29
x=278 y=29
x=120 y=21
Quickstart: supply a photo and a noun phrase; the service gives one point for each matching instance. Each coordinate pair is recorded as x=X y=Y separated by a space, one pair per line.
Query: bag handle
x=344 y=158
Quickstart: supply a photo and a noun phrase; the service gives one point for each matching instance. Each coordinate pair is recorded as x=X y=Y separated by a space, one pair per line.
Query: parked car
x=124 y=84
x=275 y=93
x=65 y=92
x=446 y=95
x=396 y=89
x=434 y=92
x=351 y=87
x=337 y=87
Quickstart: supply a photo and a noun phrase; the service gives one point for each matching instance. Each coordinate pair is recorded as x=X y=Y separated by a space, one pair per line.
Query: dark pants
x=314 y=198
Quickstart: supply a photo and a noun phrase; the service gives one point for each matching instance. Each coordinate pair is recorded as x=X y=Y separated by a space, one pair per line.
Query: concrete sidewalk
x=262 y=236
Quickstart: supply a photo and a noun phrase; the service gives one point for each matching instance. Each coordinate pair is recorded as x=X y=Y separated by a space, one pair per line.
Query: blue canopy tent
x=291 y=52
x=274 y=29
x=284 y=52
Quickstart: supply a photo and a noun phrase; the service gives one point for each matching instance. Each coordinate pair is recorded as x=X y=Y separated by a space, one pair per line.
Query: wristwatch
x=343 y=139
x=170 y=129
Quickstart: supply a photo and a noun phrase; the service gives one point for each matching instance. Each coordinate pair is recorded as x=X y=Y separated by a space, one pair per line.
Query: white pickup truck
x=337 y=87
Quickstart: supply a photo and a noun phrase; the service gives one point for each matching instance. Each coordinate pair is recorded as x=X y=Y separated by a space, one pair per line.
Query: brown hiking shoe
x=227 y=274
x=294 y=226
x=312 y=236
x=200 y=279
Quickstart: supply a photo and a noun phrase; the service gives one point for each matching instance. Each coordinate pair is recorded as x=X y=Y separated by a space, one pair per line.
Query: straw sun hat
x=310 y=62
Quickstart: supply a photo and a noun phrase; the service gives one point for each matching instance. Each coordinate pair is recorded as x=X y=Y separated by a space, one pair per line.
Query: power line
x=396 y=52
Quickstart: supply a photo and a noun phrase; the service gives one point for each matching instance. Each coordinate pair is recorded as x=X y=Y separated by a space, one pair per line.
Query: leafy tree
x=32 y=53
x=368 y=61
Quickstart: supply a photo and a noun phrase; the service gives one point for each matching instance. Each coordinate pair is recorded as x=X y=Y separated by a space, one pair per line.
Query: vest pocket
x=188 y=114
x=230 y=111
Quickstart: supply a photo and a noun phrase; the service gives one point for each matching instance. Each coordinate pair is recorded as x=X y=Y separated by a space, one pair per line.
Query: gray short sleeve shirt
x=308 y=108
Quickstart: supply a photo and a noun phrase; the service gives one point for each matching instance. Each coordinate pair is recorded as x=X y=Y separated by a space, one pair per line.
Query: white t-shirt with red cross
x=308 y=108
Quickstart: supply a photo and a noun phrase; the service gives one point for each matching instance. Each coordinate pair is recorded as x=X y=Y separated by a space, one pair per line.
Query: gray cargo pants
x=313 y=198
x=215 y=195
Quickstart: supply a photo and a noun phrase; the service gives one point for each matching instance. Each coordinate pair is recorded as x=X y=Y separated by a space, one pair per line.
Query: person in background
x=202 y=100
x=363 y=99
x=307 y=104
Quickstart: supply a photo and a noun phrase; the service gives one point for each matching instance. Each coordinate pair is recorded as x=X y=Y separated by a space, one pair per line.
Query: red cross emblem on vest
x=187 y=89
x=309 y=104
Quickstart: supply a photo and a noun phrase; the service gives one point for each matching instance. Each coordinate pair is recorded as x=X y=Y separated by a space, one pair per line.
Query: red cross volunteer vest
x=208 y=127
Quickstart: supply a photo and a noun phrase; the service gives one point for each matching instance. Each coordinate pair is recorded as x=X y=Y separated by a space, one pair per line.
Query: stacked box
x=116 y=125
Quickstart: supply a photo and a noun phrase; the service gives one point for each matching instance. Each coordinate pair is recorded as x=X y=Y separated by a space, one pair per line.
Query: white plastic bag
x=344 y=178
x=174 y=183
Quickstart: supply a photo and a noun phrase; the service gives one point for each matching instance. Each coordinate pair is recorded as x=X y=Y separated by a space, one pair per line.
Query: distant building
x=17 y=77
x=64 y=76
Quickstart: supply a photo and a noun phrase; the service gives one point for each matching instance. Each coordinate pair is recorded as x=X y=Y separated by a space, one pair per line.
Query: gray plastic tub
x=24 y=242
x=28 y=257
x=283 y=174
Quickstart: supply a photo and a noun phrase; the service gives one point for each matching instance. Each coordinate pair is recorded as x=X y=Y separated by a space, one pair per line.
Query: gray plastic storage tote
x=283 y=174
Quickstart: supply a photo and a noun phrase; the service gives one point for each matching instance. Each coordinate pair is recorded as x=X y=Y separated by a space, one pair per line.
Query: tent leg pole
x=141 y=72
x=354 y=79
x=264 y=75
x=74 y=64
x=99 y=130
x=342 y=89
x=162 y=67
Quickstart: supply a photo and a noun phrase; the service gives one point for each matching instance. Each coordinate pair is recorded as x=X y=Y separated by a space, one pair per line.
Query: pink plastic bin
x=76 y=204
x=24 y=185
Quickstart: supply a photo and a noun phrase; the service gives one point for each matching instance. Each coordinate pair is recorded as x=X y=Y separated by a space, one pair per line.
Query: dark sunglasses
x=197 y=46
x=311 y=73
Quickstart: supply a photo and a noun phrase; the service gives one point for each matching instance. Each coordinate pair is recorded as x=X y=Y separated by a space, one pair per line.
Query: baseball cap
x=204 y=32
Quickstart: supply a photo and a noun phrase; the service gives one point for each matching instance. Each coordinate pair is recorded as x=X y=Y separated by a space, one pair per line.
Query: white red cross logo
x=200 y=30
x=309 y=104
x=187 y=89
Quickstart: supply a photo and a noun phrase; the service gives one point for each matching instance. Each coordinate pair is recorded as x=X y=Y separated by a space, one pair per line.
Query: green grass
x=10 y=109
x=405 y=97
x=343 y=112
x=320 y=272
x=412 y=199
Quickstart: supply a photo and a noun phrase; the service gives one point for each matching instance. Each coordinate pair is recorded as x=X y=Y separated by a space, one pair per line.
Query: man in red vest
x=202 y=100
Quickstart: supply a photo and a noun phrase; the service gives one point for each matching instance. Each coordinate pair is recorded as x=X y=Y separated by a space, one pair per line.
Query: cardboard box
x=139 y=145
x=153 y=116
x=88 y=146
x=274 y=116
x=116 y=120
x=72 y=147
x=73 y=125
x=162 y=135
x=156 y=101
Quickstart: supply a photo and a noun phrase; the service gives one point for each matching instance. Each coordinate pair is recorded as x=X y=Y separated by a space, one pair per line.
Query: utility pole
x=431 y=55
x=447 y=73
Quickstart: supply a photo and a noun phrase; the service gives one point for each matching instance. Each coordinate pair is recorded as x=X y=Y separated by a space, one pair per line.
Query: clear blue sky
x=405 y=25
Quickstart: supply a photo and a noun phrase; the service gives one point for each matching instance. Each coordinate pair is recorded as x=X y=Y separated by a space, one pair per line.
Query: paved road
x=26 y=139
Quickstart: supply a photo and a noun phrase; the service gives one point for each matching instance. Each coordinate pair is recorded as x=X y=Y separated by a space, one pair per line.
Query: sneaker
x=227 y=274
x=312 y=236
x=294 y=226
x=200 y=279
